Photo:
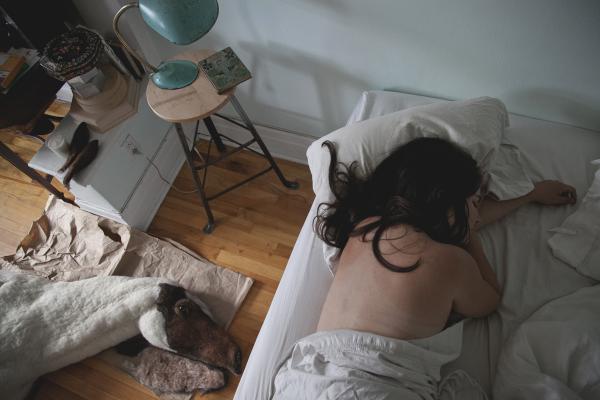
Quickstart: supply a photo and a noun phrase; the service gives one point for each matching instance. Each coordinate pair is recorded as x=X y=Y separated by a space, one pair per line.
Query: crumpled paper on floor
x=67 y=244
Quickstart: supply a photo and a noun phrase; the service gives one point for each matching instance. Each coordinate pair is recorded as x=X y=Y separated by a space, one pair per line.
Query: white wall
x=312 y=58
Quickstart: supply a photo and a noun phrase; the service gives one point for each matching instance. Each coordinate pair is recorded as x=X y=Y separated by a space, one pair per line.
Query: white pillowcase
x=508 y=179
x=477 y=125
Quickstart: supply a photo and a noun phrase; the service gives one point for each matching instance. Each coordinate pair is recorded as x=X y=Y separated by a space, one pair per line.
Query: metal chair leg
x=212 y=130
x=210 y=226
x=261 y=144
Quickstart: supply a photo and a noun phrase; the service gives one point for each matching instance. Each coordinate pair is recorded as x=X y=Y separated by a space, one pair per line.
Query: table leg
x=238 y=108
x=17 y=162
x=212 y=130
x=210 y=226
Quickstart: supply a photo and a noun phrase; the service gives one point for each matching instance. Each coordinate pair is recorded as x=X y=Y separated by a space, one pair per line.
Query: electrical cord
x=272 y=185
x=171 y=184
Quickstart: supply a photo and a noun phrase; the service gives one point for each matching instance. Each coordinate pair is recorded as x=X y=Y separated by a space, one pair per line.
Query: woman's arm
x=475 y=249
x=477 y=289
x=552 y=193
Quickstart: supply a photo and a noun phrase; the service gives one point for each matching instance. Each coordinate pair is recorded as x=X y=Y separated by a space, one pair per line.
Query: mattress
x=516 y=247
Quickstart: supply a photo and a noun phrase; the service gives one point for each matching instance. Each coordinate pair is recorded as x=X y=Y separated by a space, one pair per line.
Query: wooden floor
x=257 y=226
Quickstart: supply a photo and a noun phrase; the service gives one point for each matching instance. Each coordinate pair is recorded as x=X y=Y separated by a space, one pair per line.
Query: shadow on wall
x=557 y=105
x=327 y=81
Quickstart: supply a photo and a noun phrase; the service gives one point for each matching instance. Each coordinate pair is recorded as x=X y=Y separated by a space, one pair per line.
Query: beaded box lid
x=72 y=54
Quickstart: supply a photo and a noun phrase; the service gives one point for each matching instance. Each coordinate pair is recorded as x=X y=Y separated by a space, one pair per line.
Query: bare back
x=366 y=296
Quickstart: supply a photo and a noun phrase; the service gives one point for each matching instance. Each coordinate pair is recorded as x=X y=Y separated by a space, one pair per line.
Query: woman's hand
x=553 y=193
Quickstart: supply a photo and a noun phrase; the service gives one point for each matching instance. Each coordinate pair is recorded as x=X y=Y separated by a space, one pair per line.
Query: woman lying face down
x=411 y=254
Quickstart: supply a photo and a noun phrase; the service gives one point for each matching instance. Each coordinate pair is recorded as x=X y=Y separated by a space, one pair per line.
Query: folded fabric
x=577 y=240
x=346 y=364
x=507 y=177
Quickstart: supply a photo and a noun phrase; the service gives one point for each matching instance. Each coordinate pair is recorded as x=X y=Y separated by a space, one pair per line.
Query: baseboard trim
x=282 y=144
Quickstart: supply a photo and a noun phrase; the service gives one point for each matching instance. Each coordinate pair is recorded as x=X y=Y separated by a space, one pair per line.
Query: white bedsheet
x=346 y=364
x=555 y=354
x=516 y=246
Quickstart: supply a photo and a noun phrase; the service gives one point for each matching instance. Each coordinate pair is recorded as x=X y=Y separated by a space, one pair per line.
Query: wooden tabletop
x=191 y=103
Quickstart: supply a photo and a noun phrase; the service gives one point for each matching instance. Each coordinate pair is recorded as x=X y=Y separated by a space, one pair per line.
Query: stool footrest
x=216 y=137
x=224 y=155
x=222 y=192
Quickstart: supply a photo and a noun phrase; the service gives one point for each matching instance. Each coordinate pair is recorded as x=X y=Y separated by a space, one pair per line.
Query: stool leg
x=210 y=226
x=212 y=130
x=261 y=144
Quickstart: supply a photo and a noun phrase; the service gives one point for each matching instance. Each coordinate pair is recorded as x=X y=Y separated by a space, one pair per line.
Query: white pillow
x=477 y=125
x=375 y=103
x=507 y=177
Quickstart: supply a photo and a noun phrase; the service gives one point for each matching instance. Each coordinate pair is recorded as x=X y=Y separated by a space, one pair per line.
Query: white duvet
x=555 y=354
x=352 y=365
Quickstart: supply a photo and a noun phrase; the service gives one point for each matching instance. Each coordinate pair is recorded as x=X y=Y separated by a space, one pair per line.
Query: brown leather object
x=80 y=139
x=83 y=159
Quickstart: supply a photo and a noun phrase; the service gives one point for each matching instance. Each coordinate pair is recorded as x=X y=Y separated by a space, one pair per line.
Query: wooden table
x=200 y=101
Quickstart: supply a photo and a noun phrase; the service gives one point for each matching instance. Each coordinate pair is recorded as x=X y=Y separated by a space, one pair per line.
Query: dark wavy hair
x=418 y=184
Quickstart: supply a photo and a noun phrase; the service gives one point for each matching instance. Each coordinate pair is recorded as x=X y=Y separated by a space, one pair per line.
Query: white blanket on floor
x=555 y=354
x=47 y=325
x=348 y=364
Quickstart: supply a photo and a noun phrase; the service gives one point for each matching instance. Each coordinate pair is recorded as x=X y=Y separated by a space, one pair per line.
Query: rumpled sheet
x=555 y=354
x=345 y=364
x=577 y=240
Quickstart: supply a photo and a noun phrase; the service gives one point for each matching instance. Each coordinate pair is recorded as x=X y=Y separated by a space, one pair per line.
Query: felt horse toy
x=47 y=325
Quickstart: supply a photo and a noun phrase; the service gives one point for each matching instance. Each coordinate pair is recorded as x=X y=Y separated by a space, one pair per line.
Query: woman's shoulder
x=448 y=255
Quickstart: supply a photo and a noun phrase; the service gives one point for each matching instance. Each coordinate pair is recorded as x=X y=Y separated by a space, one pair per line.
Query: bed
x=516 y=247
